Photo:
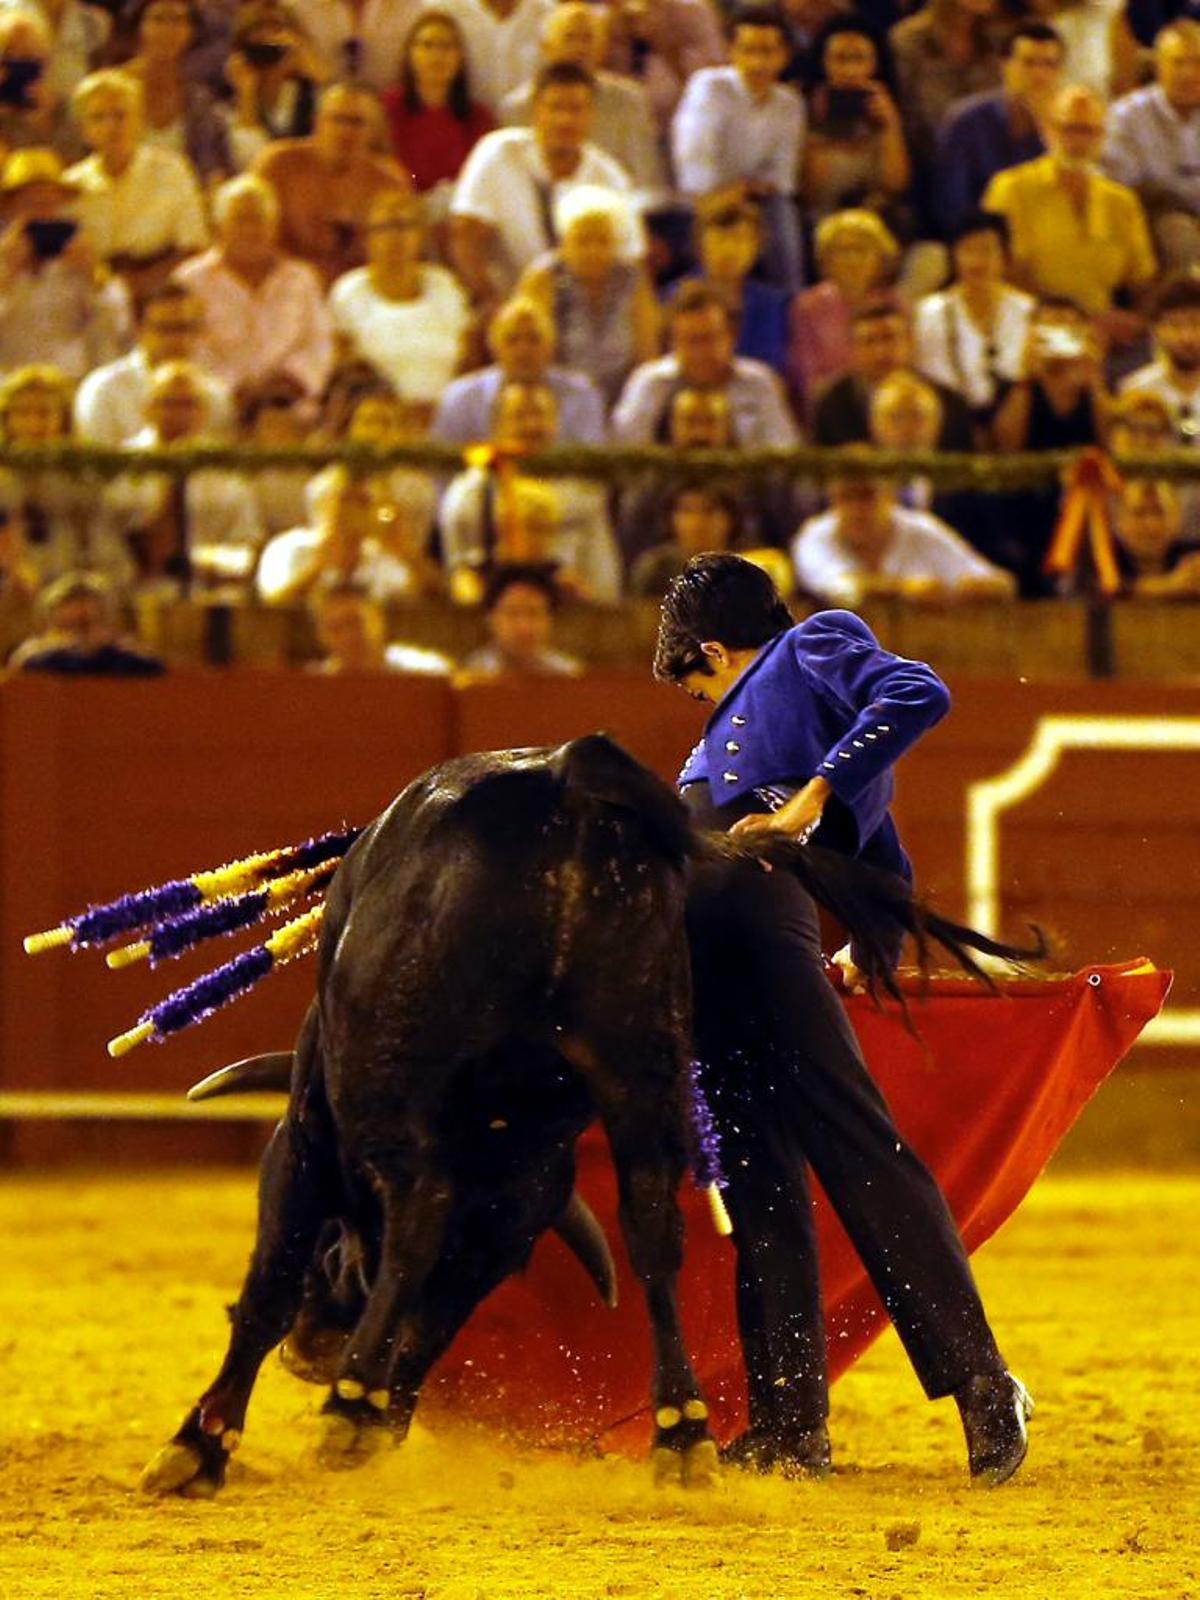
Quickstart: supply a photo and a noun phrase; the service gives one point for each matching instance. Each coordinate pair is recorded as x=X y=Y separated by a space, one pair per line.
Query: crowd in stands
x=968 y=225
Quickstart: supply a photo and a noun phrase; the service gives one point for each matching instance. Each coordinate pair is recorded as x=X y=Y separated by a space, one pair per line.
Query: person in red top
x=431 y=117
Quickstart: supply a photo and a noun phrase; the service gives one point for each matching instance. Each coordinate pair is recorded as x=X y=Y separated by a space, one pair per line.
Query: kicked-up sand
x=111 y=1322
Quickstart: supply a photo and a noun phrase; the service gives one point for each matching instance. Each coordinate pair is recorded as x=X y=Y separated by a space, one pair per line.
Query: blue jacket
x=823 y=699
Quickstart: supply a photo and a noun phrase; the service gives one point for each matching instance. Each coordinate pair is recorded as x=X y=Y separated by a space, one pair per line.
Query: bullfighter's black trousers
x=789 y=1089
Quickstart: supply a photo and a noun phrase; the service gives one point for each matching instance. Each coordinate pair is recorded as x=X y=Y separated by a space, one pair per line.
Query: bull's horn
x=272 y=1071
x=582 y=1234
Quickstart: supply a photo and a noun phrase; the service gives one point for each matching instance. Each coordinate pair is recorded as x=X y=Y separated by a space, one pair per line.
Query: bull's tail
x=877 y=908
x=271 y=1072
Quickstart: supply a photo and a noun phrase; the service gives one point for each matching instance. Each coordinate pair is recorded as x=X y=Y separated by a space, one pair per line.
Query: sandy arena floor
x=111 y=1322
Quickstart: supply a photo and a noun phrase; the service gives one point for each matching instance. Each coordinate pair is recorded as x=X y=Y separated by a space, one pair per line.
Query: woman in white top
x=405 y=316
x=971 y=336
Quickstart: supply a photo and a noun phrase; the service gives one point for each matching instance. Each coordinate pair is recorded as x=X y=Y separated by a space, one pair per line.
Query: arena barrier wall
x=107 y=787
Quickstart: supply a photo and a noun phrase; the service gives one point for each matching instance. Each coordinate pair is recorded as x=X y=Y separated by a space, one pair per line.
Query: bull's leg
x=335 y=1296
x=492 y=1243
x=648 y=1155
x=415 y=1213
x=294 y=1202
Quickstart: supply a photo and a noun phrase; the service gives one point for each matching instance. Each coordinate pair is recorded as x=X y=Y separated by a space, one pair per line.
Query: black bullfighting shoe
x=994 y=1410
x=792 y=1452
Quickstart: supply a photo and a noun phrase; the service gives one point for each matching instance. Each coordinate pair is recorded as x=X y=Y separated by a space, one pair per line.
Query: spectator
x=52 y=512
x=1059 y=404
x=698 y=518
x=434 y=119
x=880 y=344
x=866 y=546
x=1175 y=375
x=1155 y=561
x=274 y=75
x=81 y=635
x=271 y=420
x=56 y=306
x=202 y=530
x=265 y=320
x=856 y=258
x=577 y=31
x=408 y=496
x=1001 y=128
x=404 y=315
x=110 y=403
x=502 y=39
x=1075 y=232
x=20 y=571
x=519 y=603
x=906 y=414
x=328 y=182
x=854 y=153
x=180 y=115
x=596 y=289
x=502 y=214
x=970 y=338
x=77 y=34
x=357 y=39
x=1153 y=144
x=351 y=630
x=354 y=536
x=739 y=129
x=140 y=205
x=1140 y=422
x=478 y=521
x=521 y=339
x=703 y=336
x=662 y=43
x=944 y=51
x=32 y=113
x=730 y=238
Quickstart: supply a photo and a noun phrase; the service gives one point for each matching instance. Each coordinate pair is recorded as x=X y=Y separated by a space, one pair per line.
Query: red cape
x=985 y=1094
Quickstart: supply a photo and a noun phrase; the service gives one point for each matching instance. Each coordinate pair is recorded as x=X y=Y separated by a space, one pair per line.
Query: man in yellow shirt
x=1076 y=233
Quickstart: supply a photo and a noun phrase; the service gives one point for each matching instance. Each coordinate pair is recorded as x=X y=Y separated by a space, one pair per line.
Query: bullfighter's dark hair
x=716 y=597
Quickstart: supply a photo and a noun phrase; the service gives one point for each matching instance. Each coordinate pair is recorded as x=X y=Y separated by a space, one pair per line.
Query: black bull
x=502 y=960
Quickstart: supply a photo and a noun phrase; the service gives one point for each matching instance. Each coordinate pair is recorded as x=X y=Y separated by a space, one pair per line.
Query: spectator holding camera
x=140 y=205
x=31 y=110
x=265 y=319
x=327 y=183
x=274 y=75
x=854 y=153
x=353 y=535
x=180 y=114
x=739 y=129
x=56 y=305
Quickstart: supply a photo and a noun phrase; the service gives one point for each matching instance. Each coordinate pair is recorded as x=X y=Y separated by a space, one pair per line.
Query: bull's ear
x=595 y=768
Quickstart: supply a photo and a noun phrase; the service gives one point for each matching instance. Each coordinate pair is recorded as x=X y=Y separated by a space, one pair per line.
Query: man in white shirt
x=1175 y=375
x=703 y=336
x=354 y=539
x=110 y=403
x=866 y=545
x=738 y=127
x=502 y=213
x=577 y=30
x=1153 y=145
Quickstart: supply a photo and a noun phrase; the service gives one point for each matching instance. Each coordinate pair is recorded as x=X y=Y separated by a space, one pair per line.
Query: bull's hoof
x=698 y=1467
x=180 y=1468
x=349 y=1439
x=314 y=1358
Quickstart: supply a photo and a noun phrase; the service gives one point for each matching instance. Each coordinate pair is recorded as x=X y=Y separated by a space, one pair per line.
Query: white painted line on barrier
x=989 y=799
